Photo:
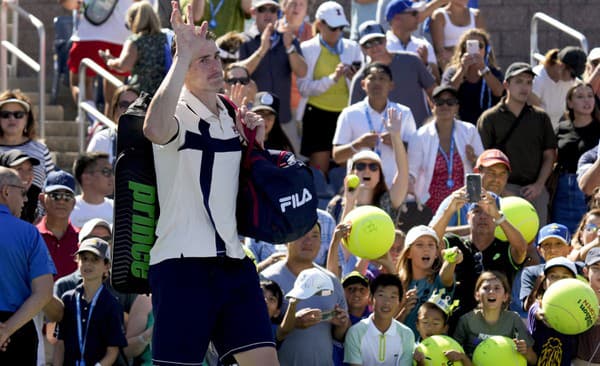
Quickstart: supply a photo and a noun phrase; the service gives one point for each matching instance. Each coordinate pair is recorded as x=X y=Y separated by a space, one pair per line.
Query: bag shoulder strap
x=501 y=144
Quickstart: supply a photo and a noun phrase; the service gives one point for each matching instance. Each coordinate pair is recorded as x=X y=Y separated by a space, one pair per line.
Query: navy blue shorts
x=197 y=300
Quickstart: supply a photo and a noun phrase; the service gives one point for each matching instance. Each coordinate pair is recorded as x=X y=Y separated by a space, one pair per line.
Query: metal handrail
x=7 y=46
x=84 y=106
x=534 y=53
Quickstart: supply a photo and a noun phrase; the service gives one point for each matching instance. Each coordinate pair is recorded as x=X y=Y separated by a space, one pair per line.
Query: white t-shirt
x=353 y=123
x=197 y=176
x=111 y=31
x=553 y=94
x=394 y=45
x=83 y=211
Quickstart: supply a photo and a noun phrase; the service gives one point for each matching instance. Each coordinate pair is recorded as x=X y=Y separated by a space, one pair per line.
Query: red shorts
x=89 y=49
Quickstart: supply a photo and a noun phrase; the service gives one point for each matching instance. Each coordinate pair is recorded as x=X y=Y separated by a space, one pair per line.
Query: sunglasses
x=373 y=42
x=592 y=228
x=270 y=9
x=362 y=166
x=335 y=29
x=478 y=258
x=16 y=115
x=449 y=102
x=243 y=81
x=58 y=196
x=23 y=190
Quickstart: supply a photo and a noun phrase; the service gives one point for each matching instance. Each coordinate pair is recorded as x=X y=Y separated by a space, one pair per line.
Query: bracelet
x=353 y=148
x=484 y=71
x=500 y=219
x=291 y=50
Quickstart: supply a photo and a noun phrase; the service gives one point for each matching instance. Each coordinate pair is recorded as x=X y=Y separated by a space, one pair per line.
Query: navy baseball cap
x=554 y=230
x=518 y=68
x=369 y=30
x=59 y=180
x=561 y=262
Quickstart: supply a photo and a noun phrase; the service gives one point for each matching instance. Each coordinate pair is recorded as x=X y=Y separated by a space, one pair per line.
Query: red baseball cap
x=491 y=157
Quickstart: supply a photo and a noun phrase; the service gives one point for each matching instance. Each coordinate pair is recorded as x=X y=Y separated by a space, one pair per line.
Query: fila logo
x=295 y=200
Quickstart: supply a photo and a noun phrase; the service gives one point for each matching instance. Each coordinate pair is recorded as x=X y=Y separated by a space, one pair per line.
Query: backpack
x=97 y=12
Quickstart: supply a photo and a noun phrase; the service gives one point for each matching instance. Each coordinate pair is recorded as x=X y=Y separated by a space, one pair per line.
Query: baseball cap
x=444 y=88
x=14 y=157
x=418 y=231
x=369 y=30
x=594 y=54
x=517 y=68
x=400 y=6
x=259 y=3
x=94 y=245
x=592 y=257
x=561 y=262
x=23 y=103
x=554 y=230
x=311 y=282
x=491 y=157
x=90 y=225
x=266 y=101
x=332 y=13
x=59 y=180
x=355 y=277
x=365 y=154
x=575 y=58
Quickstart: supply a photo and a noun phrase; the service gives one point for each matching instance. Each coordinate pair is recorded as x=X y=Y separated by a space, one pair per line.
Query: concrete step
x=62 y=144
x=61 y=129
x=53 y=113
x=64 y=160
x=27 y=84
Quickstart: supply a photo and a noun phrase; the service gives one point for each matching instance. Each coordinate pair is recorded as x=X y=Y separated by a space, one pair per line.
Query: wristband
x=353 y=148
x=484 y=71
x=500 y=219
x=291 y=50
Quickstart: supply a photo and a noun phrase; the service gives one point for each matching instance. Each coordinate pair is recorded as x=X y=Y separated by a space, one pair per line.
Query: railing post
x=3 y=51
x=537 y=17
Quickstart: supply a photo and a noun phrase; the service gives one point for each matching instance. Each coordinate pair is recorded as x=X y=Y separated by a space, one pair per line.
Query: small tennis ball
x=498 y=350
x=372 y=233
x=451 y=255
x=353 y=181
x=570 y=306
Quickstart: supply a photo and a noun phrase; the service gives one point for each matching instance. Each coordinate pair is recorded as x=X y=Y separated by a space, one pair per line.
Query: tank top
x=453 y=32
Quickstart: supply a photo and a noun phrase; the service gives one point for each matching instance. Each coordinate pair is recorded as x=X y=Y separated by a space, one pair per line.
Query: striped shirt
x=37 y=150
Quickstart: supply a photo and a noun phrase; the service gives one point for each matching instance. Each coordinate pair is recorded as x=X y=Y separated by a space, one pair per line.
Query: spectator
x=197 y=144
x=27 y=271
x=554 y=77
x=356 y=291
x=222 y=16
x=238 y=85
x=447 y=26
x=325 y=88
x=23 y=164
x=476 y=76
x=404 y=18
x=18 y=130
x=58 y=200
x=104 y=330
x=588 y=171
x=578 y=133
x=88 y=38
x=105 y=140
x=361 y=11
x=592 y=72
x=520 y=130
x=410 y=74
x=309 y=331
x=364 y=340
x=271 y=54
x=586 y=235
x=429 y=7
x=442 y=151
x=95 y=176
x=266 y=105
x=587 y=342
x=274 y=301
x=229 y=47
x=143 y=53
x=367 y=125
x=139 y=331
x=481 y=250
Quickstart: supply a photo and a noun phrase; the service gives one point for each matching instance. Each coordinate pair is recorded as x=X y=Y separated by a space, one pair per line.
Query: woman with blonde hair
x=144 y=52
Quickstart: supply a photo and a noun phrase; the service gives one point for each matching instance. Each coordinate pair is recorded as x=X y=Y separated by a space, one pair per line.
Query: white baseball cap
x=594 y=54
x=332 y=13
x=418 y=231
x=311 y=282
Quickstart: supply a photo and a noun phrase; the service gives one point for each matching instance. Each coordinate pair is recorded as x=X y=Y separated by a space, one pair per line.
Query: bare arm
x=59 y=353
x=246 y=6
x=437 y=36
x=333 y=263
x=54 y=309
x=70 y=4
x=459 y=198
x=399 y=186
x=138 y=337
x=288 y=324
x=430 y=8
x=126 y=60
x=198 y=10
x=590 y=179
x=110 y=357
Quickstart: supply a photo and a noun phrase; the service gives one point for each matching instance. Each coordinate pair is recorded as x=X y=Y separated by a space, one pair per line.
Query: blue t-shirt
x=424 y=291
x=23 y=257
x=552 y=347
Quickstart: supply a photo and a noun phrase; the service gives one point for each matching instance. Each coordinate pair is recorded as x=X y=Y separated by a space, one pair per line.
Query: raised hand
x=252 y=121
x=393 y=122
x=191 y=39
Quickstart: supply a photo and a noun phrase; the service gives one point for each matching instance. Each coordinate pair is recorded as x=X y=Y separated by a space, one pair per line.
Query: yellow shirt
x=335 y=98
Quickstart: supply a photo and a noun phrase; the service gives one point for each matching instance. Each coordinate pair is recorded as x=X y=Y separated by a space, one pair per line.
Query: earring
x=25 y=130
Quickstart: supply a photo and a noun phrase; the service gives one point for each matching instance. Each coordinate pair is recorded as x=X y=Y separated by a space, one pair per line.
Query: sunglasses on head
x=373 y=42
x=64 y=196
x=591 y=227
x=362 y=166
x=449 y=102
x=16 y=114
x=270 y=9
x=335 y=29
x=233 y=81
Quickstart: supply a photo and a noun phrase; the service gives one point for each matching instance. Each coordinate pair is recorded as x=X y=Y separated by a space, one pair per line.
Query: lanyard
x=337 y=50
x=213 y=13
x=80 y=336
x=484 y=86
x=372 y=128
x=449 y=159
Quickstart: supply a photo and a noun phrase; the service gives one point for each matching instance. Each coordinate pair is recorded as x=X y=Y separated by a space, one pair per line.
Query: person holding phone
x=474 y=73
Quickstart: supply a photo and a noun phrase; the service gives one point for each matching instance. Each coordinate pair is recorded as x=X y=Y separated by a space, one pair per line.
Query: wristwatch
x=500 y=219
x=291 y=50
x=484 y=71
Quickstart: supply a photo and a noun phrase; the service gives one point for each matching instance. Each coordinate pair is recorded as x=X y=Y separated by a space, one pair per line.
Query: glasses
x=594 y=63
x=362 y=166
x=107 y=172
x=16 y=114
x=23 y=190
x=61 y=196
x=335 y=29
x=592 y=228
x=478 y=258
x=243 y=81
x=373 y=43
x=270 y=9
x=448 y=102
x=124 y=104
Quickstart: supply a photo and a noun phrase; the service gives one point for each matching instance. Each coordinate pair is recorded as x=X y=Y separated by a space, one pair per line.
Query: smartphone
x=472 y=46
x=356 y=65
x=473 y=187
x=327 y=315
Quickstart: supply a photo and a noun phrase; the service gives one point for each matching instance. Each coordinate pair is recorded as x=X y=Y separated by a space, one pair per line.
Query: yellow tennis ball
x=570 y=306
x=522 y=215
x=498 y=350
x=372 y=233
x=353 y=181
x=434 y=347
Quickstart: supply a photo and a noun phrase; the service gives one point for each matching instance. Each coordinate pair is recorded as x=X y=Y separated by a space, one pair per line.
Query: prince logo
x=295 y=200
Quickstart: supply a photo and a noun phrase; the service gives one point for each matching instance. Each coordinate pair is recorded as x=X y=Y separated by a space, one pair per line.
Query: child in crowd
x=274 y=300
x=422 y=271
x=552 y=347
x=92 y=326
x=491 y=318
x=380 y=339
x=588 y=343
